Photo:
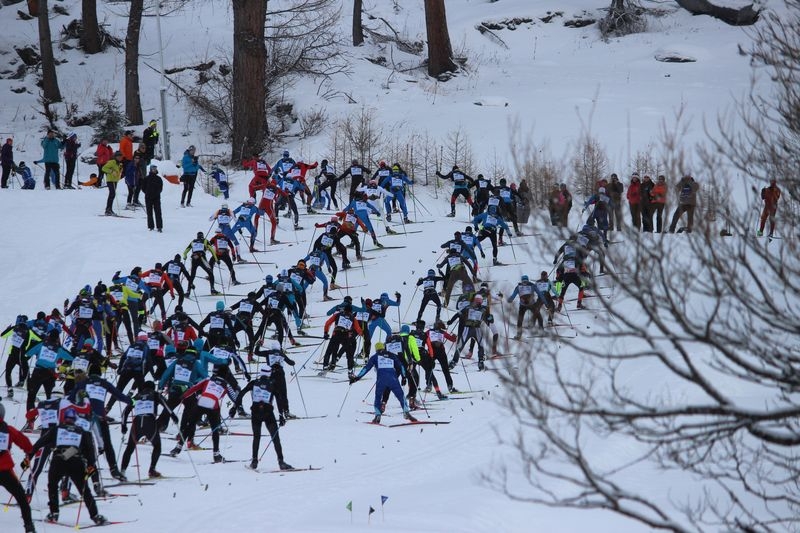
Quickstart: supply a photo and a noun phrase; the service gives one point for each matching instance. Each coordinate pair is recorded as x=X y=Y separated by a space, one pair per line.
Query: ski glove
x=352 y=379
x=124 y=429
x=232 y=412
x=288 y=361
x=326 y=336
x=91 y=469
x=26 y=463
x=281 y=421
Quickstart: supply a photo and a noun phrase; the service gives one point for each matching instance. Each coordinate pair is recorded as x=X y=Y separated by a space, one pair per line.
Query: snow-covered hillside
x=558 y=82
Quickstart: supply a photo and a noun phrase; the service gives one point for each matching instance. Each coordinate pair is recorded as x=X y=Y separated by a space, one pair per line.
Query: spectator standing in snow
x=150 y=140
x=51 y=147
x=152 y=185
x=104 y=154
x=113 y=171
x=71 y=146
x=635 y=201
x=615 y=190
x=645 y=203
x=770 y=195
x=687 y=201
x=7 y=161
x=659 y=201
x=126 y=146
x=190 y=167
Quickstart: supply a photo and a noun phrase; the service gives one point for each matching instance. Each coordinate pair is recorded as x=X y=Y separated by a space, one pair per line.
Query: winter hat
x=601 y=190
x=265 y=370
x=153 y=167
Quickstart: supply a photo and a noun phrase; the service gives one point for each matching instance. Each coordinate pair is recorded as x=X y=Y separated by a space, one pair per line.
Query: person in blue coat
x=603 y=205
x=395 y=183
x=387 y=367
x=244 y=219
x=221 y=178
x=190 y=166
x=48 y=353
x=361 y=207
x=280 y=170
x=51 y=148
x=488 y=222
x=28 y=183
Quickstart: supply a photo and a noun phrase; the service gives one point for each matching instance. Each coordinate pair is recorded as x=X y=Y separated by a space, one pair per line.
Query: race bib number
x=48 y=417
x=436 y=336
x=275 y=359
x=314 y=261
x=474 y=315
x=428 y=284
x=495 y=201
x=461 y=304
x=344 y=322
x=377 y=307
x=525 y=290
x=173 y=270
x=144 y=407
x=80 y=364
x=217 y=322
x=224 y=219
x=569 y=251
x=394 y=347
x=135 y=354
x=95 y=392
x=383 y=173
x=47 y=355
x=132 y=284
x=326 y=241
x=154 y=278
x=215 y=389
x=454 y=261
x=246 y=307
x=68 y=437
x=17 y=340
x=85 y=312
x=455 y=246
x=286 y=286
x=269 y=194
x=543 y=286
x=244 y=212
x=397 y=183
x=351 y=218
x=385 y=362
x=83 y=423
x=362 y=316
x=361 y=205
x=221 y=353
x=182 y=374
x=153 y=344
x=222 y=245
x=458 y=177
x=4 y=441
x=505 y=194
x=197 y=246
x=296 y=278
x=356 y=171
x=261 y=395
x=491 y=221
x=569 y=265
x=272 y=303
x=117 y=295
x=294 y=173
x=180 y=335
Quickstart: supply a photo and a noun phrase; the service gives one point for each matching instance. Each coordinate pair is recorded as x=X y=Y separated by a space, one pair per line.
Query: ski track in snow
x=55 y=244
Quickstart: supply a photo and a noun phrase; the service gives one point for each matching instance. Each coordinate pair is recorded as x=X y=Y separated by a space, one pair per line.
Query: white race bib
x=47 y=355
x=246 y=307
x=95 y=392
x=65 y=437
x=198 y=246
x=344 y=322
x=395 y=347
x=261 y=395
x=474 y=315
x=144 y=407
x=385 y=362
x=17 y=340
x=217 y=322
x=182 y=374
x=85 y=312
x=173 y=269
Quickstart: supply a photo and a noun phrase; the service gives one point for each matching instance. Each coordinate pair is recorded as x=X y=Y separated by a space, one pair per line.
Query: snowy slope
x=553 y=78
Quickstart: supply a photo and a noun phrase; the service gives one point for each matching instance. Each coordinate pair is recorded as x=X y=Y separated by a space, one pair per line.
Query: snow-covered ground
x=557 y=81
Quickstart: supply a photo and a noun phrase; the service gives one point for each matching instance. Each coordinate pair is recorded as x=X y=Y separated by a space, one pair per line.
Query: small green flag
x=350 y=506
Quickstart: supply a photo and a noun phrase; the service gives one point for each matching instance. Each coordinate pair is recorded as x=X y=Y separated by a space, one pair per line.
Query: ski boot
x=215 y=292
x=52 y=517
x=99 y=519
x=427 y=389
x=119 y=476
x=99 y=491
x=176 y=450
x=481 y=366
x=383 y=407
x=153 y=473
x=377 y=419
x=236 y=282
x=283 y=465
x=289 y=416
x=412 y=404
x=453 y=390
x=451 y=215
x=408 y=417
x=440 y=396
x=580 y=305
x=390 y=231
x=495 y=262
x=388 y=217
x=218 y=458
x=241 y=412
x=406 y=220
x=253 y=463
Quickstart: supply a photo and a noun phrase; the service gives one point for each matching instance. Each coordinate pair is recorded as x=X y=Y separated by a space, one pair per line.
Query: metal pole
x=163 y=88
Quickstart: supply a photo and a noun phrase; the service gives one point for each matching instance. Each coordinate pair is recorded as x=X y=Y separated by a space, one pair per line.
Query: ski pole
x=271 y=438
x=368 y=392
x=306 y=361
x=136 y=449
x=311 y=242
x=350 y=386
x=513 y=251
x=409 y=303
x=301 y=392
x=466 y=375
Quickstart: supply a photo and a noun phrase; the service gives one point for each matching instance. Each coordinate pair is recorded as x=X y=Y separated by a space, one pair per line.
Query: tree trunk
x=133 y=104
x=744 y=16
x=358 y=30
x=440 y=53
x=249 y=78
x=90 y=38
x=50 y=89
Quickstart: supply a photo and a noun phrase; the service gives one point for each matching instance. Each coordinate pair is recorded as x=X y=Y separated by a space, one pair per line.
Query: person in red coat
x=10 y=435
x=634 y=200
